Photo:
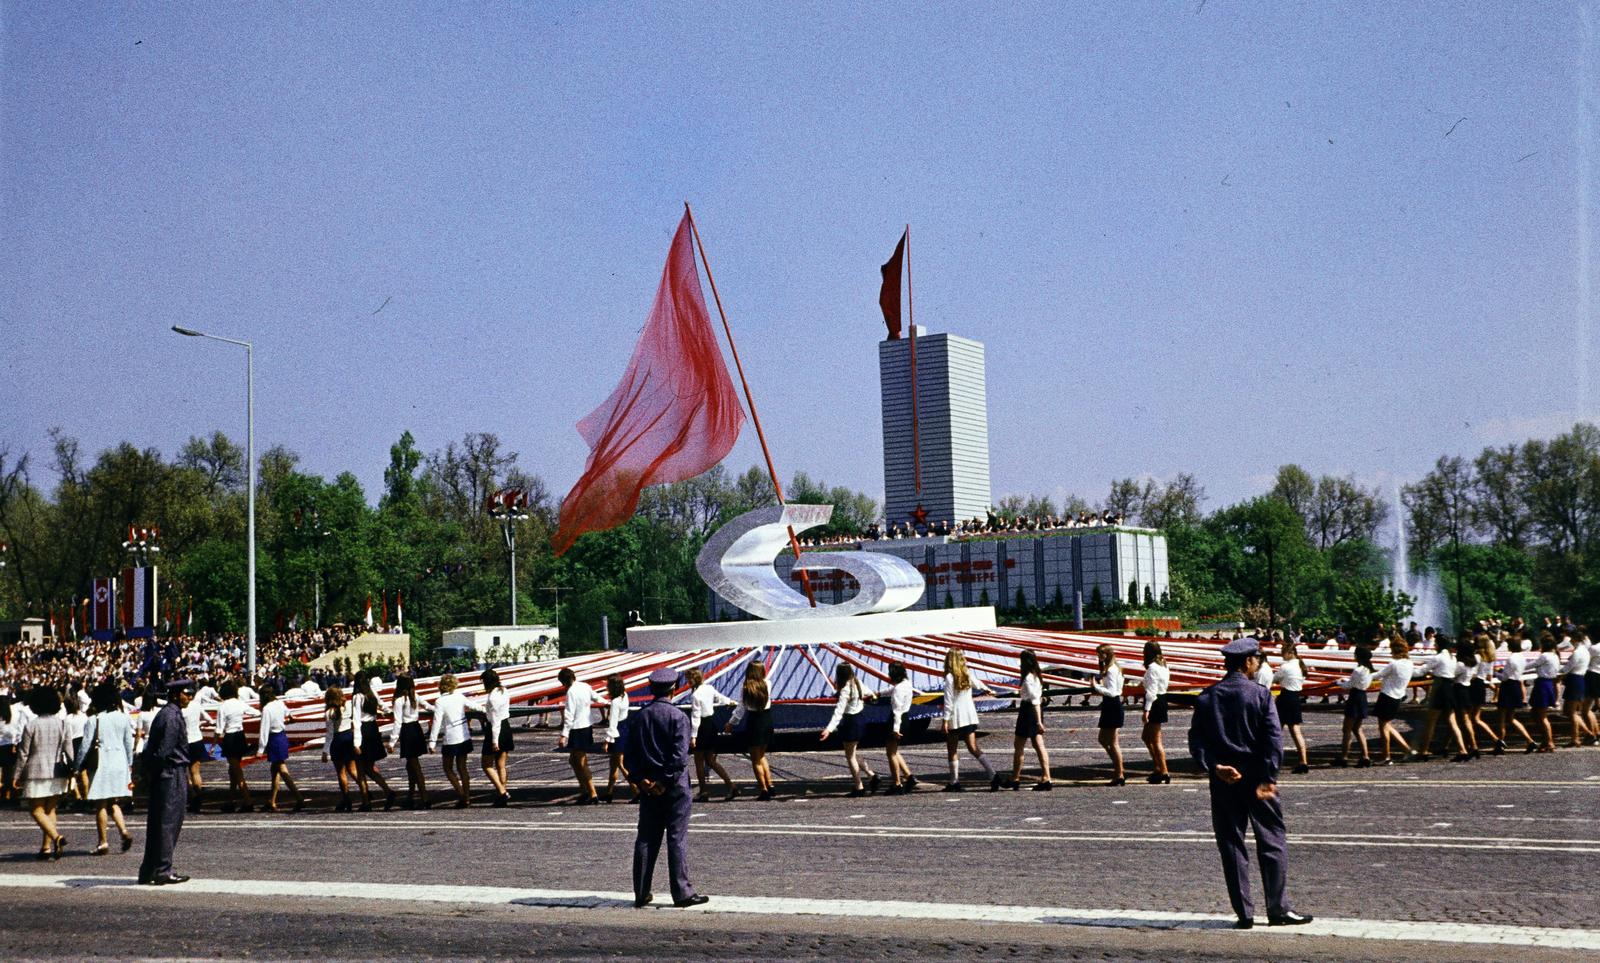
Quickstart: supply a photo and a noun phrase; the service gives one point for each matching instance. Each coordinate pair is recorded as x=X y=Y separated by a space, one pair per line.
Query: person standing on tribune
x=656 y=756
x=166 y=762
x=1236 y=739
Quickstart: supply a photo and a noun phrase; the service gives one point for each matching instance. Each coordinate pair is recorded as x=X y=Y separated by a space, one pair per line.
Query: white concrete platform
x=849 y=628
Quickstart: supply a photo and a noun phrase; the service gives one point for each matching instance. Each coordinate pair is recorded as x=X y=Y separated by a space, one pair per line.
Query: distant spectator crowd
x=993 y=524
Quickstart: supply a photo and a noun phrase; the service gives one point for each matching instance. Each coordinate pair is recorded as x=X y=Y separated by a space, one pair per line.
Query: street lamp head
x=187 y=332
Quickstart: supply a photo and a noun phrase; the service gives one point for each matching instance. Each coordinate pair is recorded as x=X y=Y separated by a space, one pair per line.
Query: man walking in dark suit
x=1236 y=739
x=656 y=756
x=166 y=766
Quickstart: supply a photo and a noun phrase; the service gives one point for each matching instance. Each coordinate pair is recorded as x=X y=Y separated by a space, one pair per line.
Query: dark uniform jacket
x=1235 y=724
x=167 y=747
x=656 y=741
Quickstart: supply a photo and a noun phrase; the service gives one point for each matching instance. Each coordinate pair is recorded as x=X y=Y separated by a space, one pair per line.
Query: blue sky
x=1211 y=238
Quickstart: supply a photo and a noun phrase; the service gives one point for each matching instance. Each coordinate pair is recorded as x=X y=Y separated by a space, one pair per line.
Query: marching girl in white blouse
x=407 y=738
x=900 y=700
x=847 y=720
x=577 y=732
x=339 y=743
x=1591 y=685
x=1108 y=686
x=961 y=720
x=1393 y=681
x=1030 y=723
x=1547 y=668
x=1441 y=700
x=617 y=709
x=1575 y=671
x=273 y=742
x=1157 y=678
x=704 y=700
x=1290 y=678
x=1355 y=707
x=450 y=726
x=754 y=712
x=230 y=731
x=497 y=744
x=1510 y=695
x=368 y=741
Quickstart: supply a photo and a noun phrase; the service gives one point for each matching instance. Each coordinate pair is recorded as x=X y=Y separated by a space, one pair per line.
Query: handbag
x=64 y=757
x=91 y=759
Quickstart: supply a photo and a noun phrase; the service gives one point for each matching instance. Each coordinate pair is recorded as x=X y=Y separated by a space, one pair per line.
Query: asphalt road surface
x=1434 y=861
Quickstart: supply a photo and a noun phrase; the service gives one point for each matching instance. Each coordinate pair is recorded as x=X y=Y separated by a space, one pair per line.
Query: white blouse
x=337 y=721
x=1464 y=673
x=191 y=723
x=230 y=716
x=1394 y=678
x=1157 y=678
x=1289 y=677
x=1442 y=665
x=851 y=700
x=1357 y=681
x=1264 y=674
x=704 y=705
x=1513 y=668
x=741 y=710
x=497 y=709
x=450 y=719
x=959 y=710
x=616 y=714
x=1578 y=661
x=273 y=715
x=576 y=712
x=900 y=699
x=1109 y=682
x=405 y=711
x=1547 y=665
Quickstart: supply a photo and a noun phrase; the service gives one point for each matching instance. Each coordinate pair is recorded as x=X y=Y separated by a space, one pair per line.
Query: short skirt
x=1573 y=691
x=43 y=788
x=1111 y=714
x=1511 y=696
x=1290 y=708
x=851 y=727
x=456 y=750
x=412 y=742
x=342 y=751
x=1027 y=721
x=278 y=747
x=1478 y=694
x=372 y=748
x=1544 y=693
x=581 y=740
x=1157 y=711
x=757 y=728
x=963 y=731
x=8 y=756
x=1591 y=685
x=1387 y=708
x=503 y=742
x=1442 y=695
x=705 y=738
x=1355 y=704
x=197 y=752
x=235 y=746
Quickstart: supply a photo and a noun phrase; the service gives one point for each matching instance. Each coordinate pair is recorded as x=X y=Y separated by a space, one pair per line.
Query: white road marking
x=1427 y=932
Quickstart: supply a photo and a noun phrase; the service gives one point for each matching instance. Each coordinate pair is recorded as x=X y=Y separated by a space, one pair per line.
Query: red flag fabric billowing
x=889 y=295
x=674 y=414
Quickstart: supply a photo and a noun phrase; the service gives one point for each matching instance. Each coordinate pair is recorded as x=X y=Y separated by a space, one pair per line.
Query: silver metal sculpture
x=737 y=562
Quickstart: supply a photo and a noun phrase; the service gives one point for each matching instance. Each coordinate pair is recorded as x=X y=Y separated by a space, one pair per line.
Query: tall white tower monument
x=952 y=419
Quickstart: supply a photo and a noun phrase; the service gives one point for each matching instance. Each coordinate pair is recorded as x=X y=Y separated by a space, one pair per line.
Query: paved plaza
x=1418 y=861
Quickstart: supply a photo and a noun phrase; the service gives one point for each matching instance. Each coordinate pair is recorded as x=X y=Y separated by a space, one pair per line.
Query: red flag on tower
x=889 y=294
x=673 y=415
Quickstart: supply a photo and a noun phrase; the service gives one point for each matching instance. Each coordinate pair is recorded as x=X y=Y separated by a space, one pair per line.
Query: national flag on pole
x=369 y=612
x=139 y=598
x=105 y=605
x=673 y=415
x=191 y=617
x=889 y=294
x=383 y=599
x=399 y=611
x=294 y=622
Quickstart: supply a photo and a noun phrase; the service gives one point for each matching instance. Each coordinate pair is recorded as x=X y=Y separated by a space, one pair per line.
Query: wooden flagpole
x=911 y=319
x=772 y=471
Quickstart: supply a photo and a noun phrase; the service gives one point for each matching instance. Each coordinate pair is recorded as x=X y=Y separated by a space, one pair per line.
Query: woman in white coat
x=108 y=737
x=961 y=720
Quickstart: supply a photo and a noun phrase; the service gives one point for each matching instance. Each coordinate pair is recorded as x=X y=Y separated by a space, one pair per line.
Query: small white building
x=503 y=643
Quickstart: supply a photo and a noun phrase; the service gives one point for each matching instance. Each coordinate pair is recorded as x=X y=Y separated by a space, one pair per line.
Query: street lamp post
x=510 y=506
x=250 y=463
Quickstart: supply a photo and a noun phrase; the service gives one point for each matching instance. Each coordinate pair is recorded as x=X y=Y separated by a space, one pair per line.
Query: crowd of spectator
x=989 y=526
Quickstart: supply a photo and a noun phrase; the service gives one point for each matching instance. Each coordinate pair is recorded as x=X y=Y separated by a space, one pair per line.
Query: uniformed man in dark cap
x=656 y=756
x=1236 y=739
x=166 y=766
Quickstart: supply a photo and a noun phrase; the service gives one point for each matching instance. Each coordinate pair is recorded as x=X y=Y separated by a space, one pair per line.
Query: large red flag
x=889 y=294
x=673 y=415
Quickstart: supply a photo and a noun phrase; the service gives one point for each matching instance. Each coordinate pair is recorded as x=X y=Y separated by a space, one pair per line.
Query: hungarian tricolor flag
x=673 y=415
x=889 y=294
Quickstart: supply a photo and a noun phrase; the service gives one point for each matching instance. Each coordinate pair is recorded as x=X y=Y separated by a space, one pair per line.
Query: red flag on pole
x=384 y=598
x=889 y=294
x=673 y=415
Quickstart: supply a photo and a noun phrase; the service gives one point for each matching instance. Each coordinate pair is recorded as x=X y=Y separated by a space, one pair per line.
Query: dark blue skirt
x=372 y=748
x=1544 y=693
x=581 y=740
x=1511 y=696
x=412 y=742
x=1355 y=704
x=1111 y=714
x=1574 y=688
x=851 y=727
x=278 y=747
x=342 y=750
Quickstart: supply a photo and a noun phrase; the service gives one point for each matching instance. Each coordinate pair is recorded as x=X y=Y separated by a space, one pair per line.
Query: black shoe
x=911 y=782
x=954 y=787
x=1118 y=781
x=872 y=785
x=1043 y=786
x=365 y=807
x=1474 y=754
x=1364 y=763
x=143 y=879
x=1301 y=769
x=994 y=782
x=763 y=796
x=228 y=808
x=127 y=843
x=1532 y=748
x=1460 y=757
x=609 y=797
x=343 y=806
x=1244 y=923
x=388 y=800
x=1290 y=918
x=171 y=879
x=645 y=900
x=696 y=900
x=1340 y=762
x=855 y=794
x=1499 y=748
x=500 y=802
x=299 y=806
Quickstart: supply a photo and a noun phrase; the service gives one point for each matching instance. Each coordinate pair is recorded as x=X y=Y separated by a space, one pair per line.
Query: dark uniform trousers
x=169 y=799
x=1231 y=807
x=664 y=815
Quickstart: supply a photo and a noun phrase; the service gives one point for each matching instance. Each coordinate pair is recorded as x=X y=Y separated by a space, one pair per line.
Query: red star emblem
x=920 y=515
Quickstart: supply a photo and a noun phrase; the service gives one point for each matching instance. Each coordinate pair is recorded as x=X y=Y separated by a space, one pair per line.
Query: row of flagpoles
x=64 y=623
